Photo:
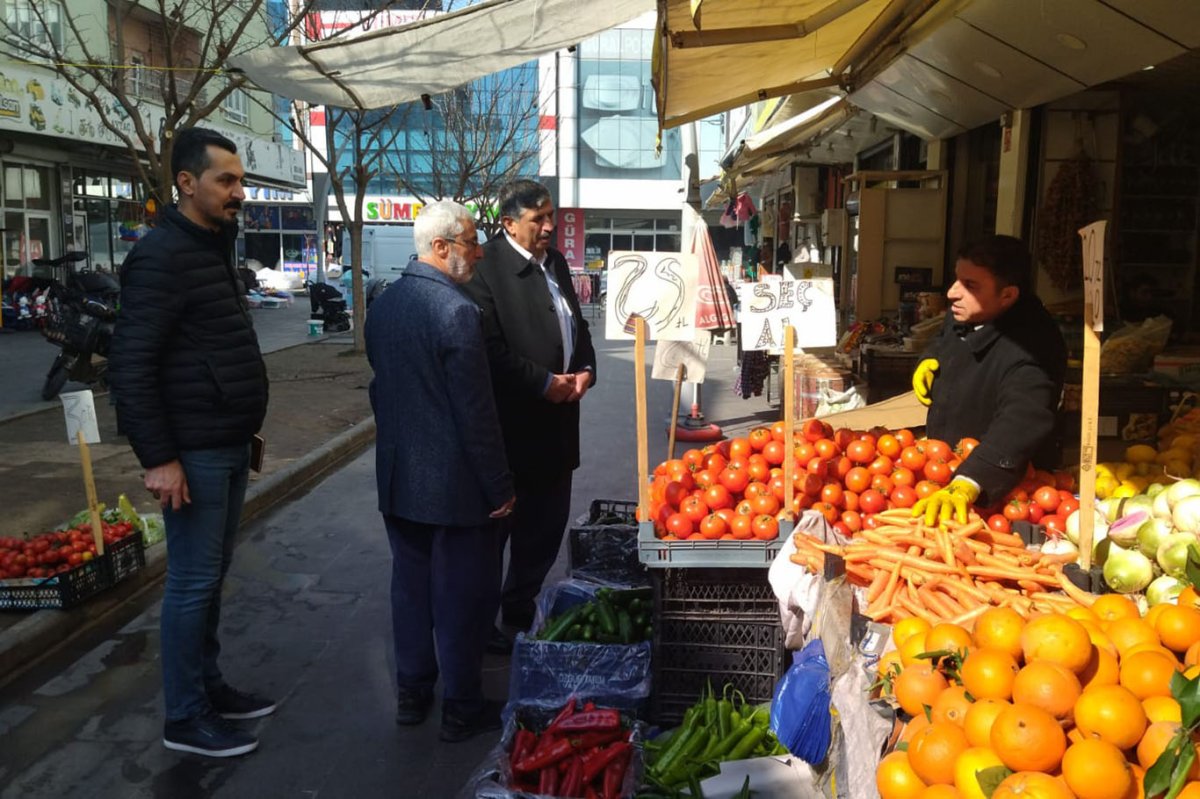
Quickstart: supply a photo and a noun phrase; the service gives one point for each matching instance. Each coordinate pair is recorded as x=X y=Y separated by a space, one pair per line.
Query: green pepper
x=679 y=740
x=589 y=632
x=678 y=771
x=724 y=712
x=748 y=743
x=557 y=629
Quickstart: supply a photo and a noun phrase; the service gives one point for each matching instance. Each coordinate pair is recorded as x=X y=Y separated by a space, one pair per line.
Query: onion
x=1172 y=553
x=1154 y=489
x=1123 y=532
x=1151 y=534
x=1186 y=514
x=1059 y=546
x=1127 y=570
x=1099 y=529
x=1163 y=589
x=1183 y=488
x=1160 y=506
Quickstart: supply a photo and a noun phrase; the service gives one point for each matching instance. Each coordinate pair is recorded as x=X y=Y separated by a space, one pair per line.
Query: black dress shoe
x=412 y=707
x=460 y=723
x=499 y=643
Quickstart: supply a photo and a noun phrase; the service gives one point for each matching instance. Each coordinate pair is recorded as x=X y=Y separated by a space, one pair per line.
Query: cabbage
x=1163 y=589
x=1186 y=514
x=1151 y=534
x=1172 y=553
x=1123 y=532
x=1127 y=571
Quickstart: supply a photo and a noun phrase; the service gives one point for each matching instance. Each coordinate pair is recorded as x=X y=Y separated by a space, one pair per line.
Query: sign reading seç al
x=42 y=104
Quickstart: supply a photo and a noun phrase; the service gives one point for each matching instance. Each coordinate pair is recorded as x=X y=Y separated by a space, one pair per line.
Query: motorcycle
x=81 y=310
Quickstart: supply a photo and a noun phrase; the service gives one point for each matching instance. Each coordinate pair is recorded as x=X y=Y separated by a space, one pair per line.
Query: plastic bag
x=1131 y=349
x=832 y=402
x=800 y=715
x=607 y=553
x=492 y=778
x=550 y=672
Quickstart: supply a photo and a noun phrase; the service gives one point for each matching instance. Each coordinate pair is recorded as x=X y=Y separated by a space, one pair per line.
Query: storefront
x=653 y=231
x=280 y=231
x=108 y=215
x=29 y=204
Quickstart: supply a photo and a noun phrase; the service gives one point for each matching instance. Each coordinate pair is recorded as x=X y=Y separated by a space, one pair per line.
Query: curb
x=43 y=631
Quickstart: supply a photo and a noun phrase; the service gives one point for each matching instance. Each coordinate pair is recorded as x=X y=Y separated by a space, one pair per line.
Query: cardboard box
x=1181 y=364
x=900 y=411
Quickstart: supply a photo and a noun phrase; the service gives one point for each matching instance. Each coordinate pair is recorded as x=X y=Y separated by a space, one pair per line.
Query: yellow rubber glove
x=922 y=379
x=953 y=500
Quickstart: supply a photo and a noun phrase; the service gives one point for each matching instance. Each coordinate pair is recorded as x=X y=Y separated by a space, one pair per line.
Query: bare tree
x=471 y=141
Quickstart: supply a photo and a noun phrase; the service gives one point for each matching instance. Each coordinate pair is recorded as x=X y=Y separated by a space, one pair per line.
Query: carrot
x=963 y=554
x=968 y=596
x=1030 y=587
x=934 y=601
x=878 y=583
x=967 y=530
x=1058 y=560
x=889 y=591
x=915 y=608
x=914 y=563
x=1003 y=539
x=970 y=615
x=1011 y=574
x=1075 y=592
x=861 y=572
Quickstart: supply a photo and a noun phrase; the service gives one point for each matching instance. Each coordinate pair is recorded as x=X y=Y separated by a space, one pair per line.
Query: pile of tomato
x=1048 y=504
x=48 y=554
x=734 y=489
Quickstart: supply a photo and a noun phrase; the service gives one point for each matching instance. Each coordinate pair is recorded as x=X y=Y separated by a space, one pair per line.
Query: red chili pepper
x=589 y=721
x=572 y=784
x=590 y=793
x=523 y=743
x=590 y=740
x=548 y=783
x=547 y=756
x=588 y=707
x=614 y=775
x=599 y=759
x=564 y=714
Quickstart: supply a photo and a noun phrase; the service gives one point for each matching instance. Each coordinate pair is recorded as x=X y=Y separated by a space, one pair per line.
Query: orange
x=1139 y=777
x=1147 y=674
x=1128 y=633
x=980 y=717
x=917 y=686
x=989 y=673
x=1178 y=627
x=912 y=646
x=1101 y=640
x=1032 y=785
x=1028 y=738
x=1162 y=708
x=1096 y=770
x=918 y=723
x=1192 y=656
x=951 y=705
x=1188 y=598
x=1153 y=613
x=896 y=779
x=1103 y=670
x=970 y=762
x=947 y=636
x=1080 y=613
x=907 y=628
x=1159 y=648
x=1000 y=628
x=940 y=792
x=1111 y=713
x=1190 y=791
x=933 y=751
x=1048 y=685
x=1109 y=607
x=1154 y=743
x=888 y=665
x=1059 y=639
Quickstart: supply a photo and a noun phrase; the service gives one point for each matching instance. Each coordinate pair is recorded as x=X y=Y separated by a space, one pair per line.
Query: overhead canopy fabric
x=733 y=52
x=433 y=56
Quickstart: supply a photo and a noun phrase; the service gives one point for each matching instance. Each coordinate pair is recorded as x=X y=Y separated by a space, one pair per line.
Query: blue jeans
x=445 y=593
x=199 y=549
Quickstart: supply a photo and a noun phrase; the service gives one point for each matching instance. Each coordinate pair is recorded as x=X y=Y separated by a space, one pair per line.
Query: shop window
x=622 y=241
x=667 y=243
x=122 y=189
x=37 y=187
x=236 y=106
x=262 y=217
x=644 y=242
x=35 y=23
x=14 y=196
x=98 y=234
x=298 y=218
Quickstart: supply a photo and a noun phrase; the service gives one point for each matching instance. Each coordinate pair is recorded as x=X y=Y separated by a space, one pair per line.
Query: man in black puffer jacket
x=191 y=392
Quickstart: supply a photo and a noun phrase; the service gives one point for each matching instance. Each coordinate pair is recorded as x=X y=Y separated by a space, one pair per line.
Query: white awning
x=397 y=65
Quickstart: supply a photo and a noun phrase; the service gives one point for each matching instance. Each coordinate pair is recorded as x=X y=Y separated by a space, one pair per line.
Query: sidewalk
x=319 y=416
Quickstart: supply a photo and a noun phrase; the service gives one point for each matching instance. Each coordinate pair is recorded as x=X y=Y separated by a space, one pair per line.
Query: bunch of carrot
x=949 y=573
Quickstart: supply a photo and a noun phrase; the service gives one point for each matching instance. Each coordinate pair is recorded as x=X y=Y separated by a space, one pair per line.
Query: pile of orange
x=1062 y=706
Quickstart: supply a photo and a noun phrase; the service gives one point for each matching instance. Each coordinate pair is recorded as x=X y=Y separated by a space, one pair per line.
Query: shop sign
x=769 y=306
x=660 y=287
x=570 y=236
x=398 y=209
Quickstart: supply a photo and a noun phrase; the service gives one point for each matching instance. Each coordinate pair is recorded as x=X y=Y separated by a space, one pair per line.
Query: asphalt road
x=306 y=620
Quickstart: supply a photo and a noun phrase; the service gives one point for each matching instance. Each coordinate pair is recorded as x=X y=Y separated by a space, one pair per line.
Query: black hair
x=1006 y=257
x=520 y=196
x=190 y=151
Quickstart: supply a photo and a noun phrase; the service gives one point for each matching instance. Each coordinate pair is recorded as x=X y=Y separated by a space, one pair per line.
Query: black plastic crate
x=70 y=588
x=713 y=626
x=606 y=548
x=125 y=558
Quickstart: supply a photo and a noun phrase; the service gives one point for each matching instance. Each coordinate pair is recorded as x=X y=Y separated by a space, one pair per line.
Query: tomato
x=679 y=525
x=965 y=447
x=881 y=465
x=842 y=467
x=740 y=527
x=903 y=496
x=841 y=529
x=778 y=430
x=88 y=556
x=858 y=479
x=843 y=437
x=861 y=451
x=713 y=527
x=1016 y=511
x=830 y=512
x=888 y=445
x=852 y=519
x=740 y=448
x=675 y=493
x=937 y=471
x=937 y=450
x=756 y=489
x=765 y=527
x=851 y=500
x=1064 y=481
x=1036 y=512
x=765 y=503
x=75 y=559
x=715 y=462
x=735 y=479
x=774 y=452
x=759 y=437
x=913 y=457
x=804 y=453
x=834 y=494
x=694 y=508
x=821 y=467
x=812 y=430
x=826 y=449
x=904 y=476
x=999 y=523
x=905 y=437
x=883 y=484
x=705 y=479
x=778 y=485
x=1067 y=507
x=1056 y=526
x=758 y=468
x=744 y=508
x=871 y=501
x=1047 y=498
x=694 y=459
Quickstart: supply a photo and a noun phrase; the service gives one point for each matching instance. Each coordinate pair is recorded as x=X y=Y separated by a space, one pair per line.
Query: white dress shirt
x=562 y=308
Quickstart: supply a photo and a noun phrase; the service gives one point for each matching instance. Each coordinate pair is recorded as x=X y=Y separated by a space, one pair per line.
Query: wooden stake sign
x=643 y=447
x=89 y=487
x=789 y=418
x=1093 y=326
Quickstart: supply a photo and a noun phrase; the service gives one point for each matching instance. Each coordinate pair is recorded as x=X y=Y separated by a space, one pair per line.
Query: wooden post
x=673 y=423
x=789 y=419
x=89 y=487
x=1089 y=406
x=643 y=448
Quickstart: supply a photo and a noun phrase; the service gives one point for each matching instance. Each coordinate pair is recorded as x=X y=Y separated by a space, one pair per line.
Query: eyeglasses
x=470 y=244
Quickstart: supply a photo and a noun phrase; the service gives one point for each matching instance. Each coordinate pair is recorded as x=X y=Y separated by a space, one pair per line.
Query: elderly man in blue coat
x=442 y=474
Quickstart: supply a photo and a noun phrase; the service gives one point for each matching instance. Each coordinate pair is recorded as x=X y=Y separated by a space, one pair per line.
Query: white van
x=386 y=249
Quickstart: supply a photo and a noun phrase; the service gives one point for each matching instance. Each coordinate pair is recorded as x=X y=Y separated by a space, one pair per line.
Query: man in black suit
x=542 y=364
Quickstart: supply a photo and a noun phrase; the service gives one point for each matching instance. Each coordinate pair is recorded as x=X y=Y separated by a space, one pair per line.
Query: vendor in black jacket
x=994 y=373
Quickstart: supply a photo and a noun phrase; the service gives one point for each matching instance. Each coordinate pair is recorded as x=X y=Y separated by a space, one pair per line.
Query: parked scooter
x=81 y=310
x=328 y=306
